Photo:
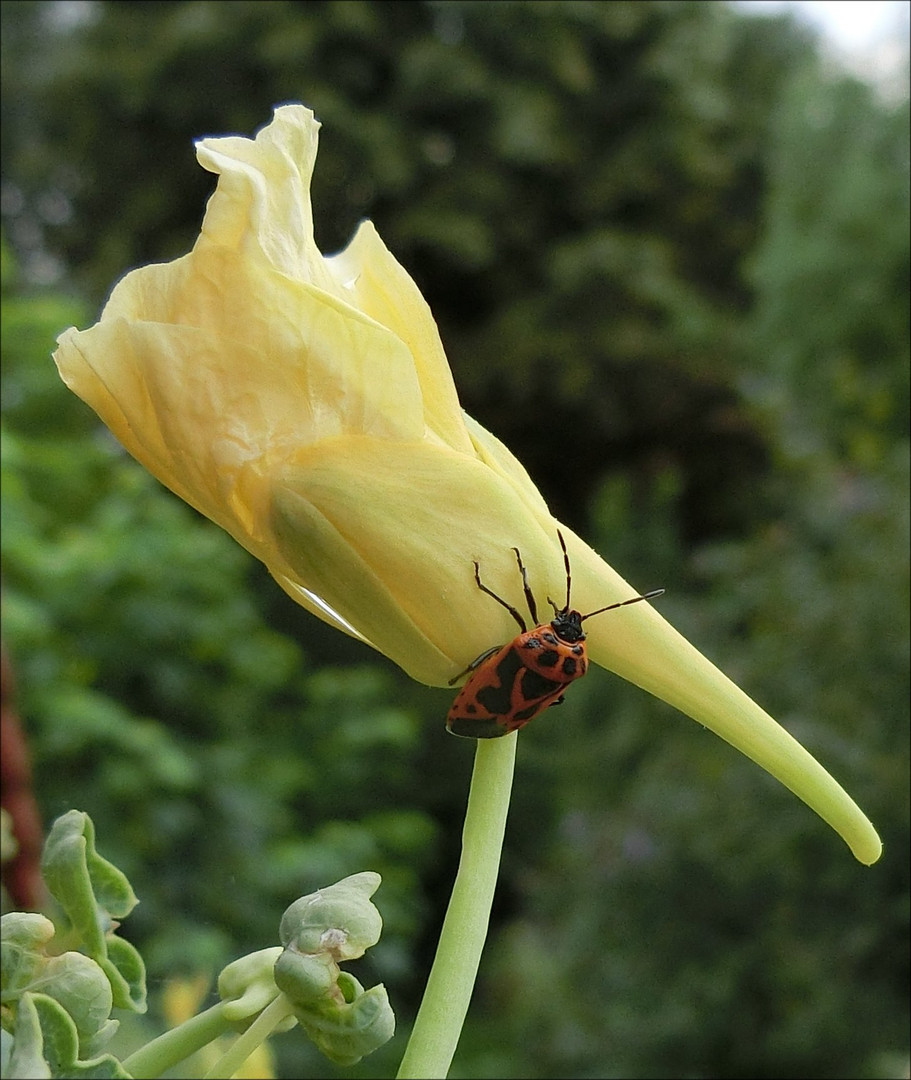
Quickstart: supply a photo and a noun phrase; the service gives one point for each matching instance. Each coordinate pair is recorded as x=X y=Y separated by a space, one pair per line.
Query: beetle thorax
x=567 y=625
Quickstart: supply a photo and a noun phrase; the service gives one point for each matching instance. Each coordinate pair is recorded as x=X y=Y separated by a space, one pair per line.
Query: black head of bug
x=566 y=623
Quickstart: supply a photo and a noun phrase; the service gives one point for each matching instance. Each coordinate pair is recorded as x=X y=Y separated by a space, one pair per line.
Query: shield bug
x=510 y=684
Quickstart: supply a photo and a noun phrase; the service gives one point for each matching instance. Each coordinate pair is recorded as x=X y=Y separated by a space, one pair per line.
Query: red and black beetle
x=510 y=684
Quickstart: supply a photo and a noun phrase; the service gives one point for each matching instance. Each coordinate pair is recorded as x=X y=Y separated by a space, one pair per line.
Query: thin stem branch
x=260 y=1030
x=449 y=988
x=173 y=1046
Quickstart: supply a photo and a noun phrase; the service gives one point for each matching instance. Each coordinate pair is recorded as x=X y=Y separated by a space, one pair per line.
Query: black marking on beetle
x=567 y=625
x=548 y=659
x=535 y=686
x=497 y=697
x=569 y=667
x=483 y=728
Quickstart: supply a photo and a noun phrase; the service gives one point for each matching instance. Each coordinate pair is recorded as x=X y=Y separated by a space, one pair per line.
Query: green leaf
x=26 y=1060
x=23 y=937
x=78 y=984
x=126 y=971
x=339 y=920
x=82 y=881
x=94 y=894
x=46 y=1046
x=72 y=979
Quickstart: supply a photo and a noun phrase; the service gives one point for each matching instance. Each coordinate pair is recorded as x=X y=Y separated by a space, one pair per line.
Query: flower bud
x=305 y=404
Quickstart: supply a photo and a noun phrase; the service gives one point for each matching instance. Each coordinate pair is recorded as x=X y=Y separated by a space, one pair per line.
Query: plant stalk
x=449 y=988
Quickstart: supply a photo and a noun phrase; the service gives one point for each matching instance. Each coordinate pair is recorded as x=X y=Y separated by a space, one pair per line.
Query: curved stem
x=260 y=1030
x=439 y=1021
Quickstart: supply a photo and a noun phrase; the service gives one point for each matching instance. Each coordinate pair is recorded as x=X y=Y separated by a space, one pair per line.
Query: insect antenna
x=647 y=596
x=557 y=610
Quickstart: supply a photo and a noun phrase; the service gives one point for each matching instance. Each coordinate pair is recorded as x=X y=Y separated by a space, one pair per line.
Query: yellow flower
x=305 y=404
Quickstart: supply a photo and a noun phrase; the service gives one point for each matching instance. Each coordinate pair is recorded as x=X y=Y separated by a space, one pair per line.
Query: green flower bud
x=247 y=985
x=339 y=920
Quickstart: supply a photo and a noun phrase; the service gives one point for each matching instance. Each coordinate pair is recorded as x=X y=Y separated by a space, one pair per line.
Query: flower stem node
x=318 y=931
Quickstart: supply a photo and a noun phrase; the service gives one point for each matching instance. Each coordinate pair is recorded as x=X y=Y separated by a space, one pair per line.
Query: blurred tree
x=666 y=253
x=835 y=375
x=574 y=187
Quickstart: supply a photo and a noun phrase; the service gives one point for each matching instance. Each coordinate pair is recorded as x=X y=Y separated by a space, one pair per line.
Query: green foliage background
x=667 y=246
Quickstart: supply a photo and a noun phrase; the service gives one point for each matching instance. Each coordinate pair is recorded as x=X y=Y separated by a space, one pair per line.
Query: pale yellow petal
x=261 y=207
x=378 y=285
x=498 y=457
x=323 y=366
x=162 y=415
x=387 y=534
x=212 y=372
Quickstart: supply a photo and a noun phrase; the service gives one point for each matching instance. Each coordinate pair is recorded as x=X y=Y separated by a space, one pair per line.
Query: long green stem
x=455 y=967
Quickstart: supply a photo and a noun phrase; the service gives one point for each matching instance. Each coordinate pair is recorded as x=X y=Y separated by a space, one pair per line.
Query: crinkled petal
x=261 y=207
x=212 y=371
x=378 y=285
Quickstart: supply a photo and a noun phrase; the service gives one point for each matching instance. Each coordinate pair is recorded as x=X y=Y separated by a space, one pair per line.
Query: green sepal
x=46 y=1046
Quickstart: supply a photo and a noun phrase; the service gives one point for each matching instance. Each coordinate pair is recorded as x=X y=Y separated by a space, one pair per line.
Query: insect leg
x=476 y=663
x=529 y=595
x=512 y=611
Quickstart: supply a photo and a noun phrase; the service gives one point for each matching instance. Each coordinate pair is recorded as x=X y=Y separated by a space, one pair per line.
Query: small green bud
x=318 y=931
x=339 y=920
x=247 y=985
